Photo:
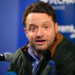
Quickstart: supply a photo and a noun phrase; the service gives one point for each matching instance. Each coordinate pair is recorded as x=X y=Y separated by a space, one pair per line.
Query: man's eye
x=46 y=27
x=32 y=29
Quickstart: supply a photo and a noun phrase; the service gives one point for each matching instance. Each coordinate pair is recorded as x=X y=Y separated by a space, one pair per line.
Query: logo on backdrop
x=59 y=4
x=67 y=29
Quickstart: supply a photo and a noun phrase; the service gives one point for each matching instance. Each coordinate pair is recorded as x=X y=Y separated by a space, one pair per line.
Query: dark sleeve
x=20 y=65
x=68 y=63
x=15 y=63
x=65 y=60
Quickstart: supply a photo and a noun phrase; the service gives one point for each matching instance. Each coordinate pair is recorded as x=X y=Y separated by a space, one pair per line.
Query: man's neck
x=39 y=54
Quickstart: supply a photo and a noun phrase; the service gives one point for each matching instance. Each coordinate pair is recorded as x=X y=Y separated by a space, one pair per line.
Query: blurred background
x=12 y=35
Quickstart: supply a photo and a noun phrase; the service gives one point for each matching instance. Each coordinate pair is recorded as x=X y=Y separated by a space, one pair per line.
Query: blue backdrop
x=12 y=35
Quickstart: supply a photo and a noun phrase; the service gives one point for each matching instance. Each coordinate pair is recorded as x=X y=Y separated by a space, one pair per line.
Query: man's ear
x=56 y=27
x=25 y=31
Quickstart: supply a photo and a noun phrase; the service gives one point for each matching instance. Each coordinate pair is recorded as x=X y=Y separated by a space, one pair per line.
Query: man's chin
x=41 y=49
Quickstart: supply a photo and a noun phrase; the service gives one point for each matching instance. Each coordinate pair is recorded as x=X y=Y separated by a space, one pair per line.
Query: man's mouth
x=40 y=42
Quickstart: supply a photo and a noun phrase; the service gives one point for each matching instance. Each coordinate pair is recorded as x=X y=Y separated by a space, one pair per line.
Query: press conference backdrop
x=12 y=35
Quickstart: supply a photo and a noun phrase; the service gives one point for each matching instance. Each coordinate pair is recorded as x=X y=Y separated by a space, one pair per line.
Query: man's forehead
x=36 y=15
x=41 y=23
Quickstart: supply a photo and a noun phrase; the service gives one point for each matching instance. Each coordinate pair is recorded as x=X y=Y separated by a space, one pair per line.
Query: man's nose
x=40 y=32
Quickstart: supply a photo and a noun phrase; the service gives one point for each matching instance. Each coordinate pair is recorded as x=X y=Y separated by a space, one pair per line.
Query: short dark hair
x=39 y=7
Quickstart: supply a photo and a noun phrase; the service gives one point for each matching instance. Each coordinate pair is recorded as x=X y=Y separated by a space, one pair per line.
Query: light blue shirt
x=34 y=63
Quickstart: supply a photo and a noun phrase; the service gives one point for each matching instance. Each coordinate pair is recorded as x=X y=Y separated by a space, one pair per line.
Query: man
x=45 y=43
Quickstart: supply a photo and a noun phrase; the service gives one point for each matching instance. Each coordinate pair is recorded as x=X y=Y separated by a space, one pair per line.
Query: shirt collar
x=31 y=53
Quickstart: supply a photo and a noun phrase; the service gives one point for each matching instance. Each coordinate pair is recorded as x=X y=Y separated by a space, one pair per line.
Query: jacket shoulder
x=65 y=58
x=17 y=61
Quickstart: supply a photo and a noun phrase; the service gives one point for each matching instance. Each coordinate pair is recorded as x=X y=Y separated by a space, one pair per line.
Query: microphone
x=7 y=56
x=51 y=68
x=10 y=73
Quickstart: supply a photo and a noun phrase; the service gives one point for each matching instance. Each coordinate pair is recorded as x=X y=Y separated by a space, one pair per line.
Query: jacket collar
x=57 y=41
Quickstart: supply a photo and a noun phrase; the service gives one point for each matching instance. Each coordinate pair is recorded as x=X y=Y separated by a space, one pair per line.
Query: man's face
x=40 y=30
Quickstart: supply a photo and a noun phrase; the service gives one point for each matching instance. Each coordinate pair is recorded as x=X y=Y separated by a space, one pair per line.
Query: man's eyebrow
x=32 y=25
x=46 y=22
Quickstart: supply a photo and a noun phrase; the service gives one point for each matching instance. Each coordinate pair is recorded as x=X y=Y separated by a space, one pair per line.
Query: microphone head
x=10 y=73
x=8 y=56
